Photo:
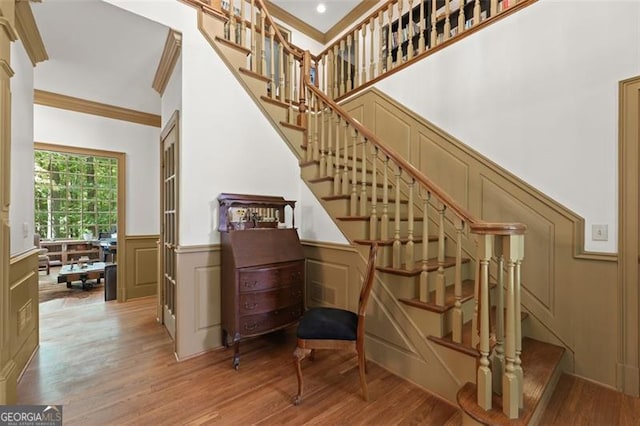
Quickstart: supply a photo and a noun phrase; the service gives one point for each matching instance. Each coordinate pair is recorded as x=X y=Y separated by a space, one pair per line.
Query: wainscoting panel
x=198 y=322
x=327 y=284
x=23 y=307
x=564 y=287
x=392 y=129
x=540 y=241
x=207 y=287
x=451 y=172
x=141 y=275
x=392 y=337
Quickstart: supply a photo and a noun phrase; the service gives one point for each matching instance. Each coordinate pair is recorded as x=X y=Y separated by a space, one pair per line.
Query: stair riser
x=359 y=229
x=385 y=255
x=344 y=205
x=257 y=86
x=311 y=172
x=408 y=287
x=236 y=58
x=210 y=26
x=429 y=323
x=276 y=112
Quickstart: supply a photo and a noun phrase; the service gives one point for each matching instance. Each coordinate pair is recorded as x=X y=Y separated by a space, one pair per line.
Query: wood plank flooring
x=111 y=363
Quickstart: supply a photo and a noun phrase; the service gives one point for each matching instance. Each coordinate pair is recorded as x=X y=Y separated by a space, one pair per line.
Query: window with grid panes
x=74 y=194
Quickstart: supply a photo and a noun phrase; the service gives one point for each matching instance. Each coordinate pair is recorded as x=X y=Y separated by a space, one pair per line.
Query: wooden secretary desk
x=263 y=268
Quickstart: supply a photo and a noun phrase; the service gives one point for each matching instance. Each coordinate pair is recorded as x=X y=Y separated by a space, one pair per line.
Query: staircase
x=443 y=272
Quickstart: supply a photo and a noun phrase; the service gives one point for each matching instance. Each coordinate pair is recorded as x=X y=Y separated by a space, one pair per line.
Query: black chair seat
x=328 y=323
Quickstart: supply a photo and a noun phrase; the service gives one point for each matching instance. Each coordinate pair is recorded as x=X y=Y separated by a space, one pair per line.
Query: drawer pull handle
x=250 y=284
x=250 y=327
x=250 y=306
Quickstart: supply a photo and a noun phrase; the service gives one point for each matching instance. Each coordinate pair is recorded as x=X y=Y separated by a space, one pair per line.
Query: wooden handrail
x=289 y=47
x=475 y=225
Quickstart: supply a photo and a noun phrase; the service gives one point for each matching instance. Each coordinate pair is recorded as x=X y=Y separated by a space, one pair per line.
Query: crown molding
x=170 y=55
x=56 y=100
x=8 y=29
x=29 y=34
x=4 y=66
x=297 y=23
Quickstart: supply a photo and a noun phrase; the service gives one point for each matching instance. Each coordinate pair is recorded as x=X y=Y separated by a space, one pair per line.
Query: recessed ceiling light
x=321 y=8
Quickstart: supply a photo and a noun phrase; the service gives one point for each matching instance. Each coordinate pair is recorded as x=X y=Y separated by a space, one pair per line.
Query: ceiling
x=306 y=11
x=80 y=37
x=92 y=58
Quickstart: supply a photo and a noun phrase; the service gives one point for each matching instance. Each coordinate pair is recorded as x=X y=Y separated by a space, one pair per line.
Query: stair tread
x=432 y=265
x=330 y=179
x=292 y=126
x=389 y=242
x=274 y=101
x=232 y=44
x=348 y=196
x=466 y=346
x=366 y=218
x=308 y=163
x=449 y=298
x=250 y=73
x=539 y=362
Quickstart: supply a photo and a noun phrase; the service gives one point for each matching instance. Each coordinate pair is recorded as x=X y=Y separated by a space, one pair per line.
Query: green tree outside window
x=74 y=194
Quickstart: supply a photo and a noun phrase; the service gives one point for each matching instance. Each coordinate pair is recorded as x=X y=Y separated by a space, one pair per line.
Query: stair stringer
x=206 y=23
x=419 y=361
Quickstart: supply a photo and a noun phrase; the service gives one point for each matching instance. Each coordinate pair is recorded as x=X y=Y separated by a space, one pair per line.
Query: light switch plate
x=600 y=232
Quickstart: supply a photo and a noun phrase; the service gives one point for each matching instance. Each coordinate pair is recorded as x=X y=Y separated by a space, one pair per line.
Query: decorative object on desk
x=83 y=261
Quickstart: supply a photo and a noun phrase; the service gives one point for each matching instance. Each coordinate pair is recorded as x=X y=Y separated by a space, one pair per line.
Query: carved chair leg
x=312 y=355
x=362 y=367
x=298 y=355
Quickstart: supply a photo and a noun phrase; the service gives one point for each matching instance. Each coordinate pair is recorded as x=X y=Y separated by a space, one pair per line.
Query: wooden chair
x=333 y=328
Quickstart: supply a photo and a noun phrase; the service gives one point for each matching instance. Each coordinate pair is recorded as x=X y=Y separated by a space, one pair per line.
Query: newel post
x=513 y=248
x=484 y=376
x=305 y=69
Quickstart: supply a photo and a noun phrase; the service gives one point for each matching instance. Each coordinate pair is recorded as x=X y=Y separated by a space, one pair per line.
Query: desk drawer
x=260 y=323
x=256 y=279
x=265 y=301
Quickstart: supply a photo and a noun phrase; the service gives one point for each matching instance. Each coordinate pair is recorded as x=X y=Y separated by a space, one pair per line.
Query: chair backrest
x=367 y=285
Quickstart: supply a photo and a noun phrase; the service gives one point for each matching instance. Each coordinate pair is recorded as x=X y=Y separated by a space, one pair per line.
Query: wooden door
x=169 y=195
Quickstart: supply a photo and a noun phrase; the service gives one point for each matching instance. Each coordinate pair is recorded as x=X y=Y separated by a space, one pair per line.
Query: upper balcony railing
x=398 y=33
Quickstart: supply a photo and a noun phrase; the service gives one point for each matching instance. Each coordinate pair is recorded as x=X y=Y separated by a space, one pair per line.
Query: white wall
x=21 y=216
x=537 y=93
x=227 y=145
x=91 y=57
x=139 y=142
x=172 y=96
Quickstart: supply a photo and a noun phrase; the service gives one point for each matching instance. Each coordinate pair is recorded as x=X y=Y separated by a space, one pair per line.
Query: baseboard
x=8 y=384
x=628 y=379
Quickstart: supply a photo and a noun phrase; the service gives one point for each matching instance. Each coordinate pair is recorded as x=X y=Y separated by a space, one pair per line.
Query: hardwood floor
x=111 y=363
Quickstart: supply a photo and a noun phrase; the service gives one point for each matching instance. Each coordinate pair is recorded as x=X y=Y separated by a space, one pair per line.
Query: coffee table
x=74 y=272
